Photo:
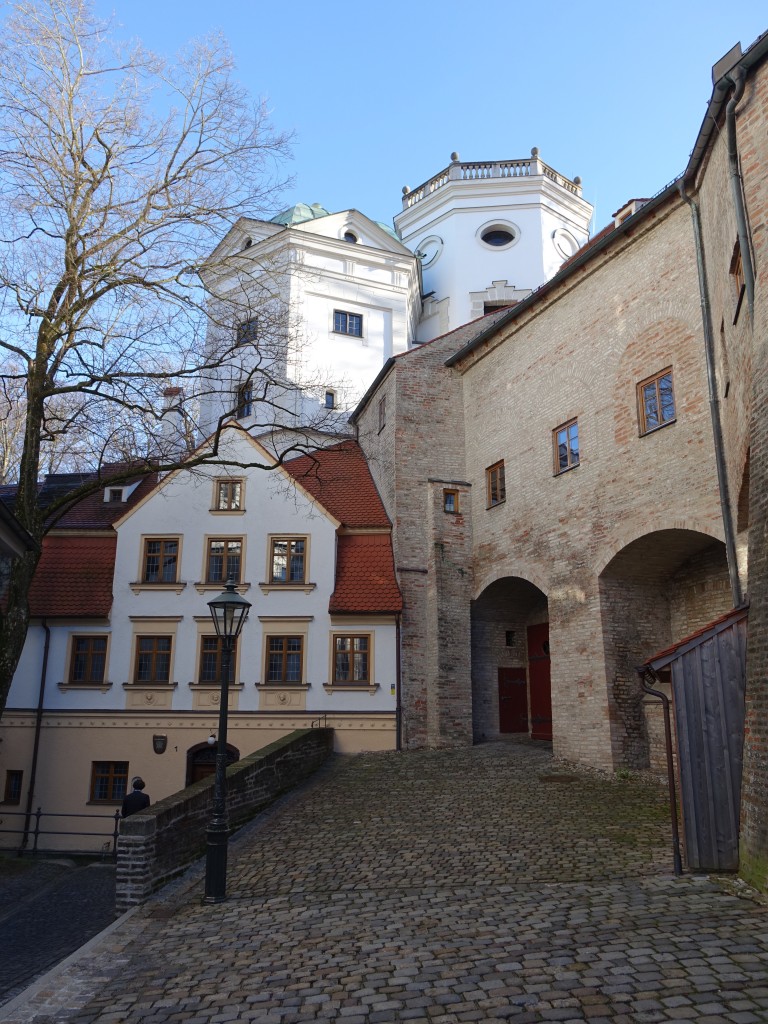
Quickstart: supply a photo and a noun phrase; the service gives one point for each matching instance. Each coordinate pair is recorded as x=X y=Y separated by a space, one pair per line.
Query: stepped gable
x=74 y=577
x=365 y=576
x=339 y=479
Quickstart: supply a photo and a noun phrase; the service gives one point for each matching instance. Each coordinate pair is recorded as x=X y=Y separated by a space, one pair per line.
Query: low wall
x=157 y=844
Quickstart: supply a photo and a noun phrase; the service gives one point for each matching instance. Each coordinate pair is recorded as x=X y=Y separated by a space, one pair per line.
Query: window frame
x=14 y=780
x=495 y=479
x=137 y=653
x=114 y=777
x=330 y=401
x=203 y=654
x=559 y=469
x=225 y=484
x=451 y=493
x=244 y=401
x=643 y=427
x=737 y=276
x=75 y=638
x=367 y=682
x=146 y=541
x=382 y=412
x=247 y=331
x=285 y=653
x=226 y=541
x=343 y=326
x=288 y=539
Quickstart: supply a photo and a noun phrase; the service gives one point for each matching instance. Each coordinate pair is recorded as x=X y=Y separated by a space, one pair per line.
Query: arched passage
x=510 y=661
x=656 y=590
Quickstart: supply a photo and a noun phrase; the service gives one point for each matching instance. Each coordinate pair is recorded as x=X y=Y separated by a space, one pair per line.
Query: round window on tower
x=429 y=249
x=498 y=234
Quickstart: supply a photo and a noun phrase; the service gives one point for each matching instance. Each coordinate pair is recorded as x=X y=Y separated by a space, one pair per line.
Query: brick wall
x=155 y=846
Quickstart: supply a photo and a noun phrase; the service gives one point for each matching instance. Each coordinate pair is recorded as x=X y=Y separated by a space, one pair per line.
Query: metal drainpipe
x=737 y=78
x=398 y=696
x=676 y=858
x=714 y=405
x=36 y=745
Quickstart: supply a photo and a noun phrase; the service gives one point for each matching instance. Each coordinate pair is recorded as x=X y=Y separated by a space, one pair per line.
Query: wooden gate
x=708 y=684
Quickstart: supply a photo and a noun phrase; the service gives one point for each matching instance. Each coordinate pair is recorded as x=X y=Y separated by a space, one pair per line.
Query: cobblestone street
x=489 y=884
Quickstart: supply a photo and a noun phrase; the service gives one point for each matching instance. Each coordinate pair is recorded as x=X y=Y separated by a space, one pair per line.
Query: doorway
x=513 y=699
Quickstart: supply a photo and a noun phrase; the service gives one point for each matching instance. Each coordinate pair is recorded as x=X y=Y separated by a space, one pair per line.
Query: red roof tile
x=74 y=577
x=365 y=575
x=339 y=479
x=669 y=653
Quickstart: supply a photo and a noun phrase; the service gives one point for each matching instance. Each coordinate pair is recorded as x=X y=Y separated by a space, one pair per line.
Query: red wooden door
x=513 y=700
x=541 y=692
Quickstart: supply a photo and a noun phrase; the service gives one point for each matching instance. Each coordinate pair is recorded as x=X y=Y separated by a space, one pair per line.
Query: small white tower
x=489 y=233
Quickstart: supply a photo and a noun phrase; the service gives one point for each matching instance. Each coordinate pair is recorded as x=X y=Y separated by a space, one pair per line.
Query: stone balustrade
x=156 y=845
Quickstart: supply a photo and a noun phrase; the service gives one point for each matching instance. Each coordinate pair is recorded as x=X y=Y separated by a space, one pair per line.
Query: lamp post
x=229 y=611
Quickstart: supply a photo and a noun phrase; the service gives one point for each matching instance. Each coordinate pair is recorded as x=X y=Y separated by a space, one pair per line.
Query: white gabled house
x=122 y=653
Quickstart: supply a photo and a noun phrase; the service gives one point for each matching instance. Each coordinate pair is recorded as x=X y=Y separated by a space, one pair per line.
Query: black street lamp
x=229 y=611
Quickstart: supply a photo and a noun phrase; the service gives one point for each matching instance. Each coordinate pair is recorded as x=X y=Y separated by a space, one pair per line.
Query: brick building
x=580 y=480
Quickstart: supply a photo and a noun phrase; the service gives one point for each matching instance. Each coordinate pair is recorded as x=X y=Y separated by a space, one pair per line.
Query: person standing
x=137 y=799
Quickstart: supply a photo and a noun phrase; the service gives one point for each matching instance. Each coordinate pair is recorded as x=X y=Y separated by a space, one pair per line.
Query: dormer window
x=351 y=237
x=114 y=495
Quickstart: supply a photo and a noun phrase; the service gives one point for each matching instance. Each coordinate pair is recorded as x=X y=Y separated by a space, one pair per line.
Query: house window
x=287 y=559
x=565 y=441
x=247 y=331
x=224 y=560
x=153 y=659
x=450 y=501
x=89 y=657
x=13 y=780
x=115 y=494
x=228 y=495
x=210 y=660
x=109 y=781
x=496 y=491
x=245 y=401
x=382 y=413
x=330 y=399
x=161 y=557
x=656 y=401
x=284 y=659
x=351 y=661
x=347 y=323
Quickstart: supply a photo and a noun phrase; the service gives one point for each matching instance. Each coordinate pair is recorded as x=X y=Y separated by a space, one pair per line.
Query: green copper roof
x=299 y=213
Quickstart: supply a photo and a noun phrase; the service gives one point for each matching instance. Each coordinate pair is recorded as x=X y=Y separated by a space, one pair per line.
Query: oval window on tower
x=498 y=235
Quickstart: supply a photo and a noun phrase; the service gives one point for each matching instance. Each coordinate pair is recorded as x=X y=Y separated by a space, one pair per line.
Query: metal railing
x=480 y=170
x=31 y=827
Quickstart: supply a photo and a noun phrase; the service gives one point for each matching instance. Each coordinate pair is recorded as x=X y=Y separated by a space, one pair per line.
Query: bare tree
x=119 y=174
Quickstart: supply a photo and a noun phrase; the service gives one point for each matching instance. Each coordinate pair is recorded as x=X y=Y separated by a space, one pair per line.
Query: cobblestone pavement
x=435 y=887
x=48 y=908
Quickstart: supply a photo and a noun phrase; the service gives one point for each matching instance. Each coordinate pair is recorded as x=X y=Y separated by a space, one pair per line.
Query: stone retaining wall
x=155 y=846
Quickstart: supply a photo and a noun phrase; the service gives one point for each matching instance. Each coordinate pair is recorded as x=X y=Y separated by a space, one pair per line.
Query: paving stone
x=434 y=887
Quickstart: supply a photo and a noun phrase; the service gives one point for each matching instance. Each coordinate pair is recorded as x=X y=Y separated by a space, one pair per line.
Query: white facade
x=488 y=234
x=332 y=297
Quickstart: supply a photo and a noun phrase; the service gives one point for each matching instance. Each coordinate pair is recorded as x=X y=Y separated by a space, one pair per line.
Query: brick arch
x=624 y=537
x=518 y=570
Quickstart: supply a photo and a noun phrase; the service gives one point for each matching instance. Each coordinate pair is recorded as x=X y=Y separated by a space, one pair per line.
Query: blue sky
x=379 y=95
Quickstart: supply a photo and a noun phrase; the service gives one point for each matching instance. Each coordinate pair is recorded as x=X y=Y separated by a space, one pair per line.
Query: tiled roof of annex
x=340 y=480
x=73 y=578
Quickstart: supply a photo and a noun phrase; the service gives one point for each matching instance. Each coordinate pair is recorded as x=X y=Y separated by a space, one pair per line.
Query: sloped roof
x=300 y=213
x=365 y=576
x=74 y=577
x=663 y=658
x=339 y=479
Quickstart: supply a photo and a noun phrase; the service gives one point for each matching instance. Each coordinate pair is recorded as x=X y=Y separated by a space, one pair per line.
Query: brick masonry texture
x=429 y=887
x=155 y=846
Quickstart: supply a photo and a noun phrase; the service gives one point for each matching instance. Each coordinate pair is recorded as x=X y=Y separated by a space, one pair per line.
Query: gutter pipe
x=677 y=862
x=714 y=403
x=737 y=78
x=36 y=745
